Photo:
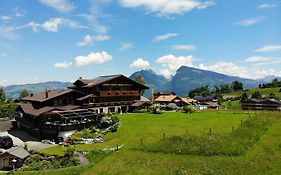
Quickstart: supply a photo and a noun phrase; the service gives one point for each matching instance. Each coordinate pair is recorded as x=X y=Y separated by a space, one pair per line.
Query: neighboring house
x=158 y=94
x=229 y=97
x=261 y=104
x=207 y=102
x=52 y=113
x=17 y=154
x=140 y=104
x=168 y=99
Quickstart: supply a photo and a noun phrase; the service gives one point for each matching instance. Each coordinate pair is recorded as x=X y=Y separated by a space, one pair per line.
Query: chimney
x=47 y=93
x=31 y=95
x=80 y=78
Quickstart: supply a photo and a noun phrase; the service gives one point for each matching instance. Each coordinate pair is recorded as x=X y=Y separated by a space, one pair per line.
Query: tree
x=2 y=95
x=24 y=93
x=140 y=80
x=237 y=85
x=201 y=91
x=244 y=96
x=256 y=94
x=219 y=97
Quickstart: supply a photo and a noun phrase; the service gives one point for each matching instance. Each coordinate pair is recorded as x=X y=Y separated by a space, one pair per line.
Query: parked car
x=47 y=142
x=6 y=142
x=59 y=140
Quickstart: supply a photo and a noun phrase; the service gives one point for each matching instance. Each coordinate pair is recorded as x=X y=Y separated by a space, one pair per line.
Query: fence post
x=241 y=122
x=117 y=147
x=210 y=131
x=141 y=142
x=232 y=128
x=164 y=135
x=186 y=131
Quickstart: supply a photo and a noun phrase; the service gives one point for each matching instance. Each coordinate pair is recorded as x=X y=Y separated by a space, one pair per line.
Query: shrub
x=188 y=109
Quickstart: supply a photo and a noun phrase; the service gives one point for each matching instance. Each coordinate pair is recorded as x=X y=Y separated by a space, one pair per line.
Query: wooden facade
x=50 y=113
x=261 y=104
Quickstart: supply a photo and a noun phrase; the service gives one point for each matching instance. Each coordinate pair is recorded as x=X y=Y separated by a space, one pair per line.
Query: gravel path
x=82 y=158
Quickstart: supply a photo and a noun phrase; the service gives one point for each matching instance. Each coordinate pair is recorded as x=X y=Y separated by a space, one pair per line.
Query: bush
x=40 y=161
x=188 y=109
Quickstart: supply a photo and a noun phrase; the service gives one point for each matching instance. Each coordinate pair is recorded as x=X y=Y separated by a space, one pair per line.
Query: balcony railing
x=118 y=93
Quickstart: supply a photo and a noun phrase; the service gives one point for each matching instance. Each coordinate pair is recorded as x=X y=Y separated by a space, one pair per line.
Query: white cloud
x=8 y=32
x=249 y=21
x=94 y=23
x=3 y=83
x=171 y=63
x=63 y=6
x=258 y=59
x=185 y=47
x=34 y=26
x=167 y=7
x=232 y=69
x=92 y=58
x=266 y=6
x=140 y=64
x=89 y=39
x=53 y=24
x=125 y=46
x=63 y=65
x=6 y=17
x=165 y=36
x=19 y=12
x=262 y=61
x=269 y=48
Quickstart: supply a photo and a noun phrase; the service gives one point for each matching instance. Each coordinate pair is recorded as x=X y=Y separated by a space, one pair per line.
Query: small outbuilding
x=13 y=157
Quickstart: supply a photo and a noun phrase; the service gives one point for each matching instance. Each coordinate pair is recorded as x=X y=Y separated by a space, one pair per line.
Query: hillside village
x=140 y=87
x=70 y=116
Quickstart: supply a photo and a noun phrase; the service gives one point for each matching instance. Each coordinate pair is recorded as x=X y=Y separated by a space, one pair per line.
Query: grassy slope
x=263 y=158
x=151 y=127
x=264 y=92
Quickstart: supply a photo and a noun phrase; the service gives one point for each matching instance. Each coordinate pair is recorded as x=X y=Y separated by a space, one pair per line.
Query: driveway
x=21 y=138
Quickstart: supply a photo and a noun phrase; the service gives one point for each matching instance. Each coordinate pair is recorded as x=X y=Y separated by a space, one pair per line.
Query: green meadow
x=211 y=142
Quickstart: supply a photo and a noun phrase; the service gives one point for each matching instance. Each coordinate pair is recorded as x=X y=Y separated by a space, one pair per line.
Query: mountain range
x=188 y=78
x=185 y=79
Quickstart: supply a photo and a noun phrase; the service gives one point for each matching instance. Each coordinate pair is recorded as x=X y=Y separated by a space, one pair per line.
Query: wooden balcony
x=102 y=104
x=118 y=93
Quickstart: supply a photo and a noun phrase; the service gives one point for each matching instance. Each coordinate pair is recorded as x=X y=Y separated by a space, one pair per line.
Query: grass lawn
x=262 y=158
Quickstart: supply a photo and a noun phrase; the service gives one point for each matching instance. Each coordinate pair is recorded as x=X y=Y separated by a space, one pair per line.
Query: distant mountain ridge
x=13 y=91
x=185 y=79
x=188 y=78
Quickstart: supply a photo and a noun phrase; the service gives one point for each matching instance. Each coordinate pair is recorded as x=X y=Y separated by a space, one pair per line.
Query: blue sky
x=42 y=40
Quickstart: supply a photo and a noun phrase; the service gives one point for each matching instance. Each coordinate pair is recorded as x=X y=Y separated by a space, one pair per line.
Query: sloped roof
x=41 y=96
x=103 y=79
x=201 y=98
x=264 y=100
x=29 y=109
x=142 y=98
x=165 y=98
x=140 y=103
x=19 y=152
x=189 y=100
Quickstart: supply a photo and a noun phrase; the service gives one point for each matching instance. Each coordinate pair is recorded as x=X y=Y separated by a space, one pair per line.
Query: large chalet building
x=261 y=104
x=52 y=113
